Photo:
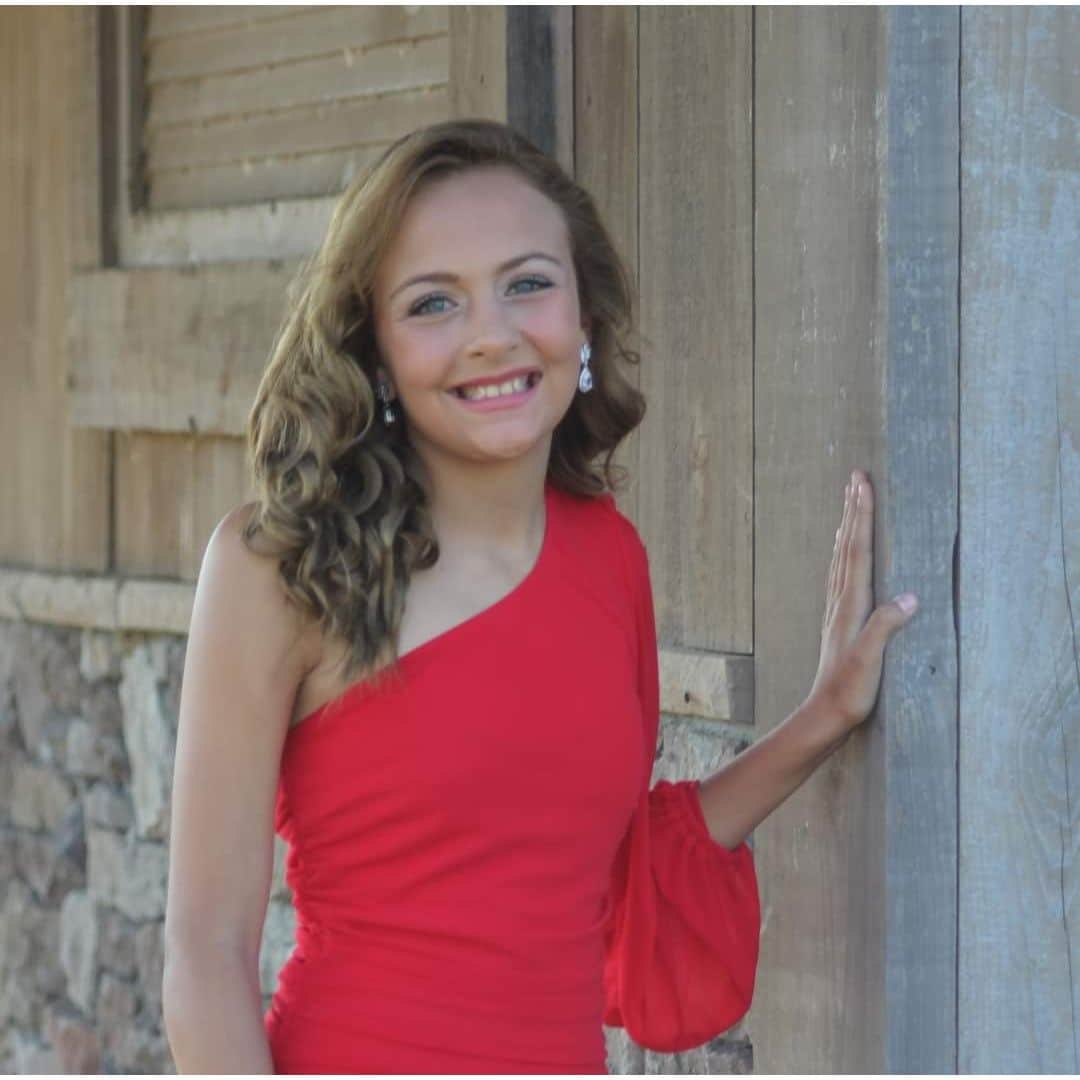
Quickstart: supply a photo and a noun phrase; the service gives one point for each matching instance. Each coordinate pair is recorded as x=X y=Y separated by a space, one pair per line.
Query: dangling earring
x=585 y=376
x=384 y=396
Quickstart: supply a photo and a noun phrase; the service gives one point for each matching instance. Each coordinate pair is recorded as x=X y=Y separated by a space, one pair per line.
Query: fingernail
x=907 y=603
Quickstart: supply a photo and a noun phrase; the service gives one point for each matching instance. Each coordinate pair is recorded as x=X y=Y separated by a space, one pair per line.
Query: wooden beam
x=540 y=74
x=917 y=521
x=819 y=357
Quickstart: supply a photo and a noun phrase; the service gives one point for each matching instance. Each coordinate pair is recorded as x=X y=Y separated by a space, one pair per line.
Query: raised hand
x=853 y=645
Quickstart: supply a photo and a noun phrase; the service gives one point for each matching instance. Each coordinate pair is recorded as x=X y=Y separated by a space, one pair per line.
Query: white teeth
x=478 y=393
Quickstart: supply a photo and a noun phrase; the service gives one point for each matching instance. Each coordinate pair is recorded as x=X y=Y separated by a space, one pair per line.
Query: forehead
x=487 y=214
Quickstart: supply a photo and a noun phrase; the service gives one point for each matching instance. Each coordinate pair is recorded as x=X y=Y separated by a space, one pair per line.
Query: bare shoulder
x=248 y=651
x=249 y=588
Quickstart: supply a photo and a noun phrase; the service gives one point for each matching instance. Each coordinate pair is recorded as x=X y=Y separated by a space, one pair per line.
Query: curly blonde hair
x=339 y=496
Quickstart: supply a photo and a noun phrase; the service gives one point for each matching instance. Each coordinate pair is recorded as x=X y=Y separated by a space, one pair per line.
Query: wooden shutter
x=247 y=104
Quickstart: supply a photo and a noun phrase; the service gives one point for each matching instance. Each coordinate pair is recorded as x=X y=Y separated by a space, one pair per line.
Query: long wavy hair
x=340 y=500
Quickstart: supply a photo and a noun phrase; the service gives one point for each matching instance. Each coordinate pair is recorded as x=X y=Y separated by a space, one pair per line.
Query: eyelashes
x=420 y=305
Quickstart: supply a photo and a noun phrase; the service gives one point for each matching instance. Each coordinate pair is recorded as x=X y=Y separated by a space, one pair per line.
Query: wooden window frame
x=135 y=236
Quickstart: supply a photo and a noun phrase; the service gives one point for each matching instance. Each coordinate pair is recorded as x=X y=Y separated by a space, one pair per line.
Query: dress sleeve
x=682 y=930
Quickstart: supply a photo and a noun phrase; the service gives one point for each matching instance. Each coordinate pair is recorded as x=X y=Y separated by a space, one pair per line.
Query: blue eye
x=420 y=305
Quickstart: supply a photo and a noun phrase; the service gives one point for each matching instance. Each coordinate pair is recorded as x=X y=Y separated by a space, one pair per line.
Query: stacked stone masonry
x=87 y=742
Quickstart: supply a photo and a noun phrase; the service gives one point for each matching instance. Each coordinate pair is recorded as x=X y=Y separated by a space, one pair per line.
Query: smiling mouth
x=530 y=381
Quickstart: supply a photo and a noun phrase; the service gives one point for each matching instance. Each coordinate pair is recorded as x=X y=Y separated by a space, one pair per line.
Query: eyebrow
x=443 y=275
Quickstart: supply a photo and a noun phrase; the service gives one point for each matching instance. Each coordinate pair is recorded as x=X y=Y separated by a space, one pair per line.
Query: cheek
x=422 y=358
x=555 y=331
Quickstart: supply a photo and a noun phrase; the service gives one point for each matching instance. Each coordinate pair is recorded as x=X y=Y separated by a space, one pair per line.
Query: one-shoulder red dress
x=482 y=876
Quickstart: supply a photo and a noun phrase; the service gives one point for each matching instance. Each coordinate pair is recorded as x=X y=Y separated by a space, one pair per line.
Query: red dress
x=481 y=874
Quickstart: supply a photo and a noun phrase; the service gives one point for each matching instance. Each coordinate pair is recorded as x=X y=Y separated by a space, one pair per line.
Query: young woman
x=426 y=656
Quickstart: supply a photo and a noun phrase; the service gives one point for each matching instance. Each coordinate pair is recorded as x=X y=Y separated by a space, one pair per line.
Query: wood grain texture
x=711 y=686
x=478 y=77
x=55 y=481
x=606 y=163
x=918 y=698
x=695 y=500
x=1019 y=584
x=292 y=36
x=178 y=350
x=172 y=490
x=238 y=183
x=296 y=131
x=819 y=355
x=288 y=229
x=539 y=68
x=169 y=20
x=396 y=66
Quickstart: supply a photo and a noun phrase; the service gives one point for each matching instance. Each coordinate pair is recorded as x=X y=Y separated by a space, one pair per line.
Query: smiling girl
x=426 y=657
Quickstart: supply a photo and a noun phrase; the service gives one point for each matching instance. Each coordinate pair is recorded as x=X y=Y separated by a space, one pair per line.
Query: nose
x=488 y=329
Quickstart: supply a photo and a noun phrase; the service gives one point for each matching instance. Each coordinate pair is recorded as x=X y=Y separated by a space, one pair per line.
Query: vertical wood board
x=695 y=235
x=919 y=687
x=478 y=77
x=819 y=354
x=173 y=490
x=55 y=483
x=606 y=163
x=1019 y=584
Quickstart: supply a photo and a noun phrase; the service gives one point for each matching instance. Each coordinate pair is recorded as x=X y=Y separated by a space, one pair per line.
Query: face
x=485 y=319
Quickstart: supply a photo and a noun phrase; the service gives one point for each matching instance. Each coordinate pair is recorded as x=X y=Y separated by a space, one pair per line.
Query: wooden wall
x=789 y=185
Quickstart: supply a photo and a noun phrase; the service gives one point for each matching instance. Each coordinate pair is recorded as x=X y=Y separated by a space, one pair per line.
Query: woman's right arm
x=247 y=653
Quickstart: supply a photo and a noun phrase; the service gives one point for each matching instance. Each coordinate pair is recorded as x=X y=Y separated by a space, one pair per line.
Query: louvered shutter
x=248 y=104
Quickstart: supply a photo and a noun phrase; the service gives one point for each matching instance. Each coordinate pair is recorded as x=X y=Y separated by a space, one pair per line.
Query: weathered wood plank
x=819 y=355
x=606 y=162
x=478 y=77
x=1018 y=593
x=696 y=233
x=178 y=350
x=538 y=64
x=247 y=182
x=712 y=686
x=173 y=490
x=55 y=482
x=919 y=691
x=402 y=66
x=290 y=229
x=315 y=128
x=173 y=19
x=310 y=32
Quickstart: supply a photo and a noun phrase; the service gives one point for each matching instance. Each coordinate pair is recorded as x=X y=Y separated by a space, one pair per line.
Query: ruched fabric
x=481 y=874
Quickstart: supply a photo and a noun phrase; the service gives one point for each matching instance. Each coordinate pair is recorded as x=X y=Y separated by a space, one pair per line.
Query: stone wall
x=87 y=741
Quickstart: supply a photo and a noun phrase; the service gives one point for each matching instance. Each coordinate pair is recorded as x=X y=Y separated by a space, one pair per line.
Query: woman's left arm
x=746 y=790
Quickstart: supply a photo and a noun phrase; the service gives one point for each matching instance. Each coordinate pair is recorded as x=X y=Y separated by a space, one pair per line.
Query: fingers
x=849 y=565
x=836 y=569
x=856 y=563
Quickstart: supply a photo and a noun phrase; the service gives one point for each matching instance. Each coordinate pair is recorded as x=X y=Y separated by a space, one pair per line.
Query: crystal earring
x=384 y=395
x=585 y=382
